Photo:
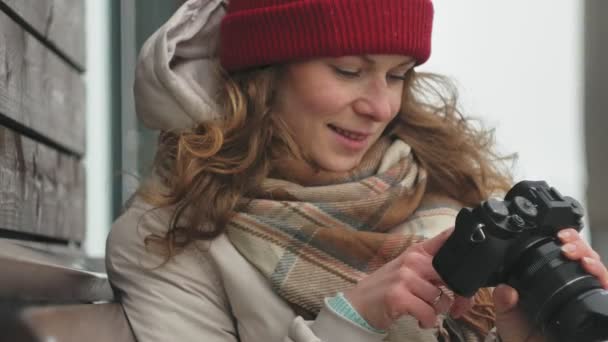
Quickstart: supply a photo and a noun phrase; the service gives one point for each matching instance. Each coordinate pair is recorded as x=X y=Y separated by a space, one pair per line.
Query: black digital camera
x=514 y=242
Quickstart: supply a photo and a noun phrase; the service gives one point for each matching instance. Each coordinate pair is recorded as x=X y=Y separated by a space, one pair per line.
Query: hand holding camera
x=515 y=242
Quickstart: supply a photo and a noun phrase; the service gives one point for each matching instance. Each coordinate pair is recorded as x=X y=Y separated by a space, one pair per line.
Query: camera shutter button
x=517 y=222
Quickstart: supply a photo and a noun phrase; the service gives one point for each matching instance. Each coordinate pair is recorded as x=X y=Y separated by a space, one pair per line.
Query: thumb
x=432 y=245
x=505 y=299
x=511 y=323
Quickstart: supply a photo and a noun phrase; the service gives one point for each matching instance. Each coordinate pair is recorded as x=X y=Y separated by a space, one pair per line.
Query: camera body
x=513 y=241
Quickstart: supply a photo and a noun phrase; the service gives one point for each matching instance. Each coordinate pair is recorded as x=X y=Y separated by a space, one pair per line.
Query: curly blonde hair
x=215 y=164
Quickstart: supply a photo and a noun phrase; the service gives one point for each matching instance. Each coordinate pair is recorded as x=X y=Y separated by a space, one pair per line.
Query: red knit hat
x=262 y=32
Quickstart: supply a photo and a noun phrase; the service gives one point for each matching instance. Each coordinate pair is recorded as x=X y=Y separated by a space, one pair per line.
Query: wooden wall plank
x=61 y=22
x=38 y=89
x=41 y=190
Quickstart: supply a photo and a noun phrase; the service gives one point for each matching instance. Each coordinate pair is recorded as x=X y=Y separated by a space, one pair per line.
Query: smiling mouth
x=348 y=134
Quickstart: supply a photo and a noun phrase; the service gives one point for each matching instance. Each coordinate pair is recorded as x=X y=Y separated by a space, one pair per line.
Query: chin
x=340 y=164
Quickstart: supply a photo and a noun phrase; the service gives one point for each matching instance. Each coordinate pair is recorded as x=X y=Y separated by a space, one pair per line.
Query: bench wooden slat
x=39 y=90
x=36 y=273
x=41 y=190
x=61 y=22
x=66 y=323
x=77 y=323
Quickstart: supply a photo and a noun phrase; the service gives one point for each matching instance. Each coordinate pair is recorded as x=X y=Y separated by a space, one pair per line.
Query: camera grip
x=469 y=258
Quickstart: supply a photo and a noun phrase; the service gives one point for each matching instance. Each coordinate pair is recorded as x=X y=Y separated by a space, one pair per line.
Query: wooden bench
x=49 y=289
x=50 y=293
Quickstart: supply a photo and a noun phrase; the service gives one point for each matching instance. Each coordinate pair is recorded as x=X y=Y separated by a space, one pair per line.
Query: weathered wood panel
x=38 y=89
x=61 y=22
x=41 y=190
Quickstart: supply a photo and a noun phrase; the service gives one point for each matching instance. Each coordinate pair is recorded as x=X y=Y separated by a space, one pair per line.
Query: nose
x=375 y=101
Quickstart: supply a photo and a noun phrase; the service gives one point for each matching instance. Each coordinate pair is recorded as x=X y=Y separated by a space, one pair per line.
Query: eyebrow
x=371 y=61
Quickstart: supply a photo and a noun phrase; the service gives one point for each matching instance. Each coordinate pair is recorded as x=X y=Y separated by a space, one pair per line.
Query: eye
x=346 y=72
x=396 y=77
x=399 y=75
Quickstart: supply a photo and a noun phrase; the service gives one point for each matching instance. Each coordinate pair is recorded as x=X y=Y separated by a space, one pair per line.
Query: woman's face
x=337 y=108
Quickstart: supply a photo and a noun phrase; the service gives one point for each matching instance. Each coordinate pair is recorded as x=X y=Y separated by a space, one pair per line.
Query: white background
x=519 y=67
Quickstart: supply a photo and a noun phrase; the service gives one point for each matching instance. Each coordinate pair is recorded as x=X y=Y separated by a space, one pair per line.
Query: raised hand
x=408 y=285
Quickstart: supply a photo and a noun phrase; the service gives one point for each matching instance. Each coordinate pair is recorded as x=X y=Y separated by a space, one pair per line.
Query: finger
x=577 y=249
x=419 y=309
x=432 y=245
x=597 y=269
x=505 y=299
x=443 y=303
x=417 y=285
x=422 y=264
x=568 y=235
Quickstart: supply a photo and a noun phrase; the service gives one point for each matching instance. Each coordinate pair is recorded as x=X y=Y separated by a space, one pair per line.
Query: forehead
x=312 y=68
x=389 y=60
x=380 y=61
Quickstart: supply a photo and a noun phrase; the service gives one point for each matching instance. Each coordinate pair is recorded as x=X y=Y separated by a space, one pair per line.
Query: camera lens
x=581 y=318
x=557 y=293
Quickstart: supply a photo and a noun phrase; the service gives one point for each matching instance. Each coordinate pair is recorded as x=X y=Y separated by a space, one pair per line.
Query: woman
x=293 y=203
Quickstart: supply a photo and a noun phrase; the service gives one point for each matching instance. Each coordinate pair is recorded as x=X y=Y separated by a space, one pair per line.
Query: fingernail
x=563 y=234
x=588 y=260
x=569 y=248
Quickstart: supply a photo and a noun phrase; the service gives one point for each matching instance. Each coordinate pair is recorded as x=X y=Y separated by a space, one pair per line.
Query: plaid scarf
x=314 y=233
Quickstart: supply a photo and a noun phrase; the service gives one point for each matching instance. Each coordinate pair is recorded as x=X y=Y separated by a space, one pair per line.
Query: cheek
x=396 y=100
x=323 y=99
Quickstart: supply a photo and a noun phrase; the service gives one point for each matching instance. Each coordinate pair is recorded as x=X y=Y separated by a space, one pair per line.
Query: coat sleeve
x=329 y=327
x=178 y=301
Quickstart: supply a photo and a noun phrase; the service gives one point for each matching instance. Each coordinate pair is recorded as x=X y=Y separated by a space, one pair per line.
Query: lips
x=357 y=136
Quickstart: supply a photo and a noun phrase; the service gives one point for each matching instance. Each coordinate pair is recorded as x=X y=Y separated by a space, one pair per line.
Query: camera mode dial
x=496 y=208
x=524 y=208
